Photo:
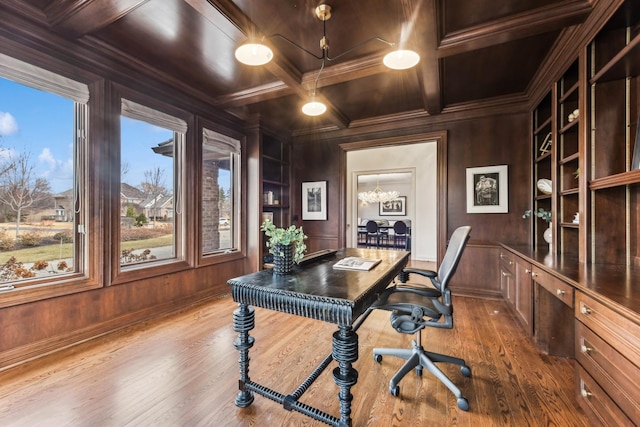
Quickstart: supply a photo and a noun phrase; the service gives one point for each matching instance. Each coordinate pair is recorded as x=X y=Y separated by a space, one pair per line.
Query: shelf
x=617 y=180
x=543 y=157
x=273 y=159
x=543 y=197
x=569 y=192
x=568 y=126
x=569 y=225
x=275 y=206
x=278 y=183
x=569 y=159
x=542 y=127
x=624 y=64
x=571 y=91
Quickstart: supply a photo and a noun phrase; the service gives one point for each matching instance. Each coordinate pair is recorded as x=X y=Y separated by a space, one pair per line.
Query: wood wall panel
x=37 y=328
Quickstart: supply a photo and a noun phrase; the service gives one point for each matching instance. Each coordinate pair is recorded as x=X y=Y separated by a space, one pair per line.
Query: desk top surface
x=318 y=290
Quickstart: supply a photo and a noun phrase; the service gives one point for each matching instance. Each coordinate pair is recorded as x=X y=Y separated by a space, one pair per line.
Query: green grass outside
x=57 y=251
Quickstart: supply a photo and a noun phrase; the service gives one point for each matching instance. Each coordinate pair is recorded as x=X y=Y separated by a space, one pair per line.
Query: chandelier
x=257 y=53
x=377 y=195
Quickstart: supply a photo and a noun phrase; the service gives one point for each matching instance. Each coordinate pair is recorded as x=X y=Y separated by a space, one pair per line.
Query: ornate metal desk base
x=345 y=352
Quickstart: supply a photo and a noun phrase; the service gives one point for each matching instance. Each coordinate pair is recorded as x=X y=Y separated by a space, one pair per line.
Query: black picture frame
x=314 y=201
x=635 y=162
x=395 y=207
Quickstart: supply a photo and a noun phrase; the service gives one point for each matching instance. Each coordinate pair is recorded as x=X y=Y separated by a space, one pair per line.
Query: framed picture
x=314 y=200
x=488 y=189
x=267 y=216
x=395 y=207
x=635 y=163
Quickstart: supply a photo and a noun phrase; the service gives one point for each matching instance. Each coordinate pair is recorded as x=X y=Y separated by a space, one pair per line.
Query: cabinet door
x=507 y=279
x=524 y=294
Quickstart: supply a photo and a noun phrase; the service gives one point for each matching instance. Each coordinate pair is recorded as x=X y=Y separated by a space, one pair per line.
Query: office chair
x=414 y=307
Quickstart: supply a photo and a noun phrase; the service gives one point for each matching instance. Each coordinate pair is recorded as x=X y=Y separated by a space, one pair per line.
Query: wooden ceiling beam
x=425 y=38
x=544 y=19
x=76 y=18
x=279 y=66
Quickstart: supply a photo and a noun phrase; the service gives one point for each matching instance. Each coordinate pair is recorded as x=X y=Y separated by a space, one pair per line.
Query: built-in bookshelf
x=614 y=102
x=542 y=168
x=276 y=173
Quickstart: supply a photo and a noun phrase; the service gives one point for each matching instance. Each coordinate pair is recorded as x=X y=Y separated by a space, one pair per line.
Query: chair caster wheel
x=466 y=371
x=395 y=391
x=419 y=371
x=463 y=404
x=377 y=358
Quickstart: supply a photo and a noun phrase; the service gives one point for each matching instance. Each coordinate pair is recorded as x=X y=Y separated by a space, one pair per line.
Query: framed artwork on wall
x=395 y=207
x=314 y=200
x=488 y=189
x=635 y=163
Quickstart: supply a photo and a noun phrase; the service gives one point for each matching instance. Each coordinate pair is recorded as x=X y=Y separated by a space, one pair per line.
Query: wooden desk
x=316 y=291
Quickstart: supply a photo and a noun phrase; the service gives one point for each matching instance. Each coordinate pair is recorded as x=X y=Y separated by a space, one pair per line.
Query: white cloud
x=8 y=124
x=46 y=156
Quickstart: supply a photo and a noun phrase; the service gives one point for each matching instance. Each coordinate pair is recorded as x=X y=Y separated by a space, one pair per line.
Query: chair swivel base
x=416 y=357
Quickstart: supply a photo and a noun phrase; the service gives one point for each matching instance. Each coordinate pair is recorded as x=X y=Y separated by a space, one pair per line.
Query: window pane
x=39 y=205
x=148 y=220
x=220 y=210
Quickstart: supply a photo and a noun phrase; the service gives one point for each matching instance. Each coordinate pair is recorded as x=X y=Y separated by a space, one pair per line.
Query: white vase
x=548 y=236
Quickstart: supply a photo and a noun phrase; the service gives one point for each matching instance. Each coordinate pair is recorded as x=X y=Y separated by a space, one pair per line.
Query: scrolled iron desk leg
x=345 y=352
x=243 y=322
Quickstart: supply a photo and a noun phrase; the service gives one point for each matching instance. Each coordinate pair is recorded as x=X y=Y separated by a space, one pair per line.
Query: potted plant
x=285 y=244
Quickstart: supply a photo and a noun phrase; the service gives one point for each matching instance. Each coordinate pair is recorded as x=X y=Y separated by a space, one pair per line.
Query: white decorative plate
x=544 y=185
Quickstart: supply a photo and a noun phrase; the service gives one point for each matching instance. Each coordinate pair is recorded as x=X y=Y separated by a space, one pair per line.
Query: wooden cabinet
x=524 y=294
x=614 y=101
x=507 y=280
x=516 y=287
x=553 y=314
x=608 y=352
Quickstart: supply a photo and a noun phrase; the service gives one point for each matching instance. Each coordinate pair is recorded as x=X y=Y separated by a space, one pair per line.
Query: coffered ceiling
x=473 y=52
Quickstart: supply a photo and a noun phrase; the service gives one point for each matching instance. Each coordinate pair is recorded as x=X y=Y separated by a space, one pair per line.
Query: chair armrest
x=403 y=276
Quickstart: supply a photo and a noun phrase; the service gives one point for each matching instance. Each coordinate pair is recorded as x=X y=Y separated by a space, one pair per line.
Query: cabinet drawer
x=596 y=403
x=619 y=331
x=614 y=373
x=562 y=290
x=507 y=260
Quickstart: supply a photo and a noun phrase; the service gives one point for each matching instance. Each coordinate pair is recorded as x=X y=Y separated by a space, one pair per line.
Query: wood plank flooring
x=182 y=370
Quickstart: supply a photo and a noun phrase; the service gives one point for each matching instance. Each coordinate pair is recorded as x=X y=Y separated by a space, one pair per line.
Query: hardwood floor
x=182 y=370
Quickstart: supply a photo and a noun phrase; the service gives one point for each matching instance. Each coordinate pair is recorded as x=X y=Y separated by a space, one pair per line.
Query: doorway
x=420 y=162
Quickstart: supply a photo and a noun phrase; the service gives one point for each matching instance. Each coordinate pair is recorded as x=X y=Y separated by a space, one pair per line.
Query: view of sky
x=41 y=124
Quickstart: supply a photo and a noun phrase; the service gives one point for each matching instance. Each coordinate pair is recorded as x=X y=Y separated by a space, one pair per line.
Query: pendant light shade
x=314 y=107
x=401 y=59
x=254 y=54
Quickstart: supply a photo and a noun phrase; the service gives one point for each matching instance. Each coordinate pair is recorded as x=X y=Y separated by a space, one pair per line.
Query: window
x=43 y=128
x=151 y=219
x=220 y=193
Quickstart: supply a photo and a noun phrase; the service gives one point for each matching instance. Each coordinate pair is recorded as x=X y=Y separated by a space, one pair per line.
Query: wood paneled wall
x=485 y=141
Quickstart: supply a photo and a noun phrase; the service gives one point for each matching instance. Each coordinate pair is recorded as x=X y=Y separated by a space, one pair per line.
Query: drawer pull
x=560 y=292
x=585 y=393
x=585 y=349
x=505 y=274
x=584 y=309
x=526 y=270
x=506 y=259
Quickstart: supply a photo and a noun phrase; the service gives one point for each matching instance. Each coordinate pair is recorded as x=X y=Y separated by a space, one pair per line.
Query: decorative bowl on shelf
x=544 y=185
